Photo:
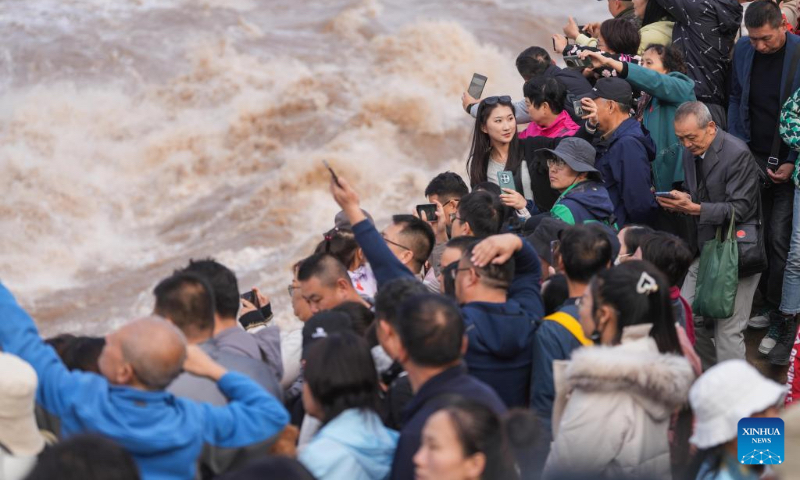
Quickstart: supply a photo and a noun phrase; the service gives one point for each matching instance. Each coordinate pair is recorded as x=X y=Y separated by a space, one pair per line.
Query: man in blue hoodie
x=624 y=151
x=583 y=198
x=584 y=251
x=501 y=303
x=128 y=404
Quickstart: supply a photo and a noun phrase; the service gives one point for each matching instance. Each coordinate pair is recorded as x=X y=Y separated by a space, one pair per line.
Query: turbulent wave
x=136 y=136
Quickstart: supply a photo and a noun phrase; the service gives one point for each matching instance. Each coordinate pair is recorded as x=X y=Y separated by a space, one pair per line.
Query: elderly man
x=722 y=181
x=128 y=404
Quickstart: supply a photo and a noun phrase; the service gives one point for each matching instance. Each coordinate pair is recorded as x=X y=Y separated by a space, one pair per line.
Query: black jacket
x=543 y=196
x=434 y=394
x=704 y=31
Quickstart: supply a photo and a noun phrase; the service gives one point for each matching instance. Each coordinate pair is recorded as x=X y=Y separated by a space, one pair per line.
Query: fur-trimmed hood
x=660 y=382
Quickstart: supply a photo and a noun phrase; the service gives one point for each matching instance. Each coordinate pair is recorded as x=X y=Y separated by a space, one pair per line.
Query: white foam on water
x=203 y=135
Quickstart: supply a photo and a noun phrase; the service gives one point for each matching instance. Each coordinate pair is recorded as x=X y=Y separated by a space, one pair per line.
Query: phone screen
x=429 y=209
x=476 y=85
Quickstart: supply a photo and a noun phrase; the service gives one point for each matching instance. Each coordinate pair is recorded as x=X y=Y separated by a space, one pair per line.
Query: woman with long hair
x=622 y=393
x=497 y=148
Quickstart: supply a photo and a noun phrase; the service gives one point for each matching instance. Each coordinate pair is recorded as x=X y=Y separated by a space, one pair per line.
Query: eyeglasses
x=495 y=100
x=453 y=272
x=391 y=242
x=291 y=290
x=454 y=217
x=556 y=164
x=449 y=202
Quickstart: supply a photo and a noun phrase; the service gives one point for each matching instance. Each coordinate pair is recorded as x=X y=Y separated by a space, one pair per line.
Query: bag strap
x=732 y=224
x=787 y=90
x=567 y=321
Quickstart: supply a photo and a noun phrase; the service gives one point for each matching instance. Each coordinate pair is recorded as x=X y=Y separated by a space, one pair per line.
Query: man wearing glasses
x=496 y=284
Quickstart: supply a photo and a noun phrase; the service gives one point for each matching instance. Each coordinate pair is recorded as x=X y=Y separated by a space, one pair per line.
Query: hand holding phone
x=430 y=212
x=476 y=86
x=333 y=174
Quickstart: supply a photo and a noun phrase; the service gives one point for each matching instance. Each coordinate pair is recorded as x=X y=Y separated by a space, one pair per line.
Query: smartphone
x=582 y=29
x=664 y=194
x=554 y=45
x=574 y=61
x=251 y=297
x=333 y=174
x=475 y=89
x=506 y=179
x=578 y=107
x=429 y=209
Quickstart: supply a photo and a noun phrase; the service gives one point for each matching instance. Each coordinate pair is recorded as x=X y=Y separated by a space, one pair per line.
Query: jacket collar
x=712 y=154
x=659 y=381
x=432 y=388
x=142 y=397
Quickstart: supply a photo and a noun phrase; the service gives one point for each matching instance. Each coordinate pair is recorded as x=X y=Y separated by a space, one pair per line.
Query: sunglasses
x=495 y=100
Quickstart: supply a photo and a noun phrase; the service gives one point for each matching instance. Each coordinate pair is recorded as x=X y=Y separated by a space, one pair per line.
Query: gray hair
x=700 y=111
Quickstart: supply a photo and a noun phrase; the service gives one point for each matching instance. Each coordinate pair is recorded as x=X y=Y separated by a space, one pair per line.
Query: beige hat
x=18 y=430
x=723 y=395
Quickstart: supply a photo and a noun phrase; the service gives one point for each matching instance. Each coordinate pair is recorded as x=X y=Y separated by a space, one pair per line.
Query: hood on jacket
x=502 y=330
x=363 y=436
x=660 y=382
x=593 y=197
x=632 y=128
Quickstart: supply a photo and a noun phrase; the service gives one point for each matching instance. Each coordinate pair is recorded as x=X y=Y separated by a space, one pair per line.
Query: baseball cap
x=612 y=88
x=341 y=222
x=575 y=152
x=323 y=324
x=546 y=231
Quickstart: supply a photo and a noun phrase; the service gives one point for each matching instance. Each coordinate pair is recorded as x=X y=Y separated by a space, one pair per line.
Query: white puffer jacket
x=613 y=408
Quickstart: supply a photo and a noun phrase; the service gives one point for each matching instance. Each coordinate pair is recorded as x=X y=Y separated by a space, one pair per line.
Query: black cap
x=576 y=152
x=341 y=222
x=548 y=230
x=322 y=324
x=614 y=89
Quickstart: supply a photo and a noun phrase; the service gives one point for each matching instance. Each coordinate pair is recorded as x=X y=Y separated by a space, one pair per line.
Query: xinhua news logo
x=761 y=441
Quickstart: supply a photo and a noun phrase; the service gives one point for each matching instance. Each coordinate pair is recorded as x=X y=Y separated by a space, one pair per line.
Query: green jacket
x=789 y=128
x=668 y=92
x=658 y=33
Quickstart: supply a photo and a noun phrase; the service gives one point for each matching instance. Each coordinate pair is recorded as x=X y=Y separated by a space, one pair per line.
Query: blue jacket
x=431 y=396
x=739 y=105
x=384 y=264
x=164 y=433
x=553 y=341
x=500 y=335
x=355 y=445
x=624 y=160
x=587 y=201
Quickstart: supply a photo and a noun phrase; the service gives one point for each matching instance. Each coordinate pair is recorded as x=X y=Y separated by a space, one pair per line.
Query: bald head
x=153 y=348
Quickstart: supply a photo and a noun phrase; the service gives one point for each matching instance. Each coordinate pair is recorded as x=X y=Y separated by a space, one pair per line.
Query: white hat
x=18 y=430
x=725 y=394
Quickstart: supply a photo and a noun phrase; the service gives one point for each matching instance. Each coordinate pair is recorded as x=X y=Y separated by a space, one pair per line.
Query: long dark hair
x=480 y=152
x=340 y=373
x=480 y=430
x=654 y=12
x=618 y=287
x=341 y=244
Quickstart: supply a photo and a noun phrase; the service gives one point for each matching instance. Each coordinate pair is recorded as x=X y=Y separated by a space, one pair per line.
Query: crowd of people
x=574 y=308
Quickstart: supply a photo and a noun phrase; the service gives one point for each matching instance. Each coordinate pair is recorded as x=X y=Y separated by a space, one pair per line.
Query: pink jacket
x=562 y=127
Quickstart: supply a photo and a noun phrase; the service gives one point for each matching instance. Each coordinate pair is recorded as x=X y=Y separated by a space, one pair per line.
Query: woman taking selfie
x=341 y=390
x=624 y=391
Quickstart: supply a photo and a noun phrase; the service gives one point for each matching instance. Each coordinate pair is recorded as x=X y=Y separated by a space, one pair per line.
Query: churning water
x=136 y=134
